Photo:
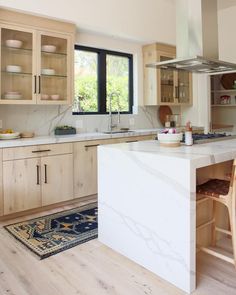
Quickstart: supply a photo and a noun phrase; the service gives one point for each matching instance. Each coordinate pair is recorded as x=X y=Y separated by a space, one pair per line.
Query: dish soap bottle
x=188 y=134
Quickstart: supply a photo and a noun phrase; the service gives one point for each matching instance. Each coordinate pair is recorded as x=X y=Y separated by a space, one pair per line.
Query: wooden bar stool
x=224 y=192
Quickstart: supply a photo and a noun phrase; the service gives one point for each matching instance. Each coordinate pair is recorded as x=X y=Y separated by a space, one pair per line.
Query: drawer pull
x=45 y=174
x=41 y=151
x=39 y=84
x=131 y=141
x=91 y=145
x=37 y=166
x=35 y=85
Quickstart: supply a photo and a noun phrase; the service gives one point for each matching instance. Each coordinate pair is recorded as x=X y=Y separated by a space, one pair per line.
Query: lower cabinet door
x=85 y=168
x=57 y=179
x=21 y=185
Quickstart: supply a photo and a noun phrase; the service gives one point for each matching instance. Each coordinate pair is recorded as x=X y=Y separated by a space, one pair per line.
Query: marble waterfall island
x=147 y=203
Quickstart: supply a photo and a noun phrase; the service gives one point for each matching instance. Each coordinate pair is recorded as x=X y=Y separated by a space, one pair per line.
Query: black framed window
x=103 y=80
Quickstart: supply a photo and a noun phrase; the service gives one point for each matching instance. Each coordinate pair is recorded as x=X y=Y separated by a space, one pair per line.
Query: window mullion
x=102 y=79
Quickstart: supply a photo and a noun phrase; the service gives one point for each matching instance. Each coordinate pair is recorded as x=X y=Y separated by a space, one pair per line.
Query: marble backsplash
x=43 y=119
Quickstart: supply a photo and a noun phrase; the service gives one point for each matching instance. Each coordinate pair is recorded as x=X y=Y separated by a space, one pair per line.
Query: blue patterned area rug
x=51 y=234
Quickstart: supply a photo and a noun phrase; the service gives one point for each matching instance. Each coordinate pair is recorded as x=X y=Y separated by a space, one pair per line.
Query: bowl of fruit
x=9 y=134
x=170 y=137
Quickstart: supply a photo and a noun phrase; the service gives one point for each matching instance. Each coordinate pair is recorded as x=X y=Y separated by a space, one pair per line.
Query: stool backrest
x=233 y=175
x=232 y=188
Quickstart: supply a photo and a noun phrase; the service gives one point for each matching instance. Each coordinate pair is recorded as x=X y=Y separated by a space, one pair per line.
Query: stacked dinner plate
x=12 y=95
x=13 y=135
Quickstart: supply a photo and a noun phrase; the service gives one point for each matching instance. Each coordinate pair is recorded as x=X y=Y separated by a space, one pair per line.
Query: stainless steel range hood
x=197 y=39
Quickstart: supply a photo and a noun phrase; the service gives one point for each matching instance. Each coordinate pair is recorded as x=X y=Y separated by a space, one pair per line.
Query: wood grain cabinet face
x=85 y=168
x=44 y=60
x=1 y=185
x=35 y=179
x=85 y=163
x=21 y=182
x=57 y=179
x=164 y=87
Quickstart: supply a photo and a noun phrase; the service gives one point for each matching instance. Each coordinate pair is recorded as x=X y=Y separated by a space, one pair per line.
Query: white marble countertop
x=152 y=210
x=199 y=155
x=38 y=140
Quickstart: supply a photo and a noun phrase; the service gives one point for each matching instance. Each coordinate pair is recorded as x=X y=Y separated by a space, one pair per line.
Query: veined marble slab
x=147 y=203
x=38 y=140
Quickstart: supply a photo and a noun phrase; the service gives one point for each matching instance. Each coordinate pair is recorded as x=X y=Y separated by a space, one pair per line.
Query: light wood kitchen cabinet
x=163 y=86
x=85 y=168
x=36 y=176
x=85 y=163
x=1 y=189
x=223 y=102
x=56 y=179
x=31 y=71
x=21 y=183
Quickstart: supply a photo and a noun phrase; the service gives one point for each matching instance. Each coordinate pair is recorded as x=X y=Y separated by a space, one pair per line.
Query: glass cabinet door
x=167 y=83
x=17 y=82
x=53 y=80
x=183 y=87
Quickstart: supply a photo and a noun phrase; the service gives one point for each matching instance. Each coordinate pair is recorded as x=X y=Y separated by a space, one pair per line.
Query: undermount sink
x=117 y=131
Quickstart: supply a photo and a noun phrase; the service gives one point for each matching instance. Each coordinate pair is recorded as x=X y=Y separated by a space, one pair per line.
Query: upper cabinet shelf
x=37 y=61
x=223 y=92
x=164 y=87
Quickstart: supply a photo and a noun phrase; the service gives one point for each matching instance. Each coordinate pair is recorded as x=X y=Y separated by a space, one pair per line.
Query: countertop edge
x=41 y=140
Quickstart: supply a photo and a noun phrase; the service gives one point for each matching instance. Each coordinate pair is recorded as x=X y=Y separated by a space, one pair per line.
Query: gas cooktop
x=200 y=138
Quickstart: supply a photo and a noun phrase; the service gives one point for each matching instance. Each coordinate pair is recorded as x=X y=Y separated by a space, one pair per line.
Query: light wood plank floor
x=94 y=269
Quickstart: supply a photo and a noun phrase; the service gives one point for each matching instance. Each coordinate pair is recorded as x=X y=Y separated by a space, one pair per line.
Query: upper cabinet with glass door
x=164 y=87
x=54 y=69
x=36 y=65
x=17 y=65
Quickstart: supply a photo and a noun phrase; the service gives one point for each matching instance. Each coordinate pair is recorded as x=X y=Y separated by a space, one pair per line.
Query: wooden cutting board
x=227 y=80
x=163 y=111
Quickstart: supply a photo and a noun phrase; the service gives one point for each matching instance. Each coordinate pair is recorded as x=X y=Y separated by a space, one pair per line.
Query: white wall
x=227 y=25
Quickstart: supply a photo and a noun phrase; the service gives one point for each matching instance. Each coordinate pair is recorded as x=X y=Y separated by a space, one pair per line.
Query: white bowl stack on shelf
x=49 y=48
x=55 y=96
x=48 y=72
x=12 y=95
x=14 y=43
x=13 y=69
x=170 y=138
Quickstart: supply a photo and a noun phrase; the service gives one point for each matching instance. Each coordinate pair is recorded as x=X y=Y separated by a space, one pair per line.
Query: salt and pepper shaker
x=188 y=134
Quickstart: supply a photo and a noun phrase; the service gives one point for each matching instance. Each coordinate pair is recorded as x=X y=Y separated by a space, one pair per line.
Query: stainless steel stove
x=202 y=138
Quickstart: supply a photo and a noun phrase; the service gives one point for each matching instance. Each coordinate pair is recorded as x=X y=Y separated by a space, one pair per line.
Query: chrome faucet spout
x=111 y=125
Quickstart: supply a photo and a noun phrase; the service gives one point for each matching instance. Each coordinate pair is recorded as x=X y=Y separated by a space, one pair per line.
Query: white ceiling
x=141 y=20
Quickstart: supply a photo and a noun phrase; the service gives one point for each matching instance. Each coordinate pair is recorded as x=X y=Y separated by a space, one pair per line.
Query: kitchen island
x=147 y=203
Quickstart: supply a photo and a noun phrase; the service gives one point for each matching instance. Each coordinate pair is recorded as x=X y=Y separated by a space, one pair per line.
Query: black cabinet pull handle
x=91 y=145
x=35 y=84
x=41 y=151
x=45 y=172
x=37 y=166
x=39 y=84
x=131 y=141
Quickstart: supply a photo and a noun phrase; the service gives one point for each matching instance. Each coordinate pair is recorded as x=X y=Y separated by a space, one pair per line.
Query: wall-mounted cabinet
x=223 y=101
x=36 y=61
x=164 y=87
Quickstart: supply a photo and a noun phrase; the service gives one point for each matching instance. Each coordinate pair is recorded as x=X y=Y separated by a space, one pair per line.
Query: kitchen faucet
x=111 y=124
